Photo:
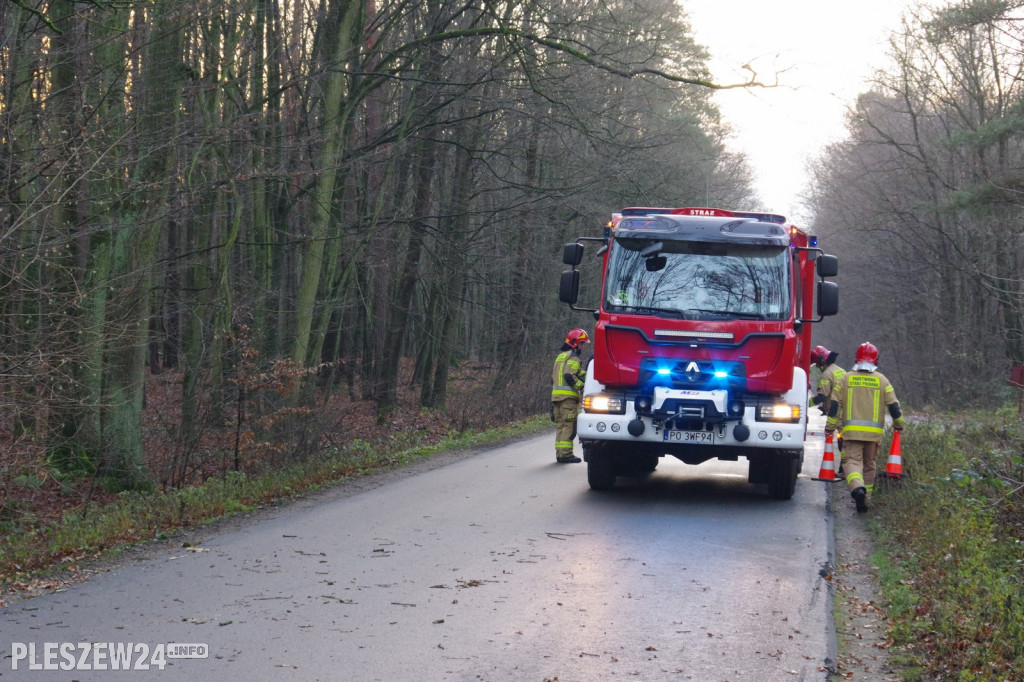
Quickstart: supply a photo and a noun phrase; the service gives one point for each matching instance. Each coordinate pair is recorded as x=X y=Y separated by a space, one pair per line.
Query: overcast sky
x=827 y=48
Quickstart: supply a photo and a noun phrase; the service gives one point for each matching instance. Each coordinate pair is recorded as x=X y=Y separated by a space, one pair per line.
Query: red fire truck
x=702 y=342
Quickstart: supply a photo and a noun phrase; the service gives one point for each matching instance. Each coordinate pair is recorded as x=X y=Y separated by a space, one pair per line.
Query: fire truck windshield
x=698 y=280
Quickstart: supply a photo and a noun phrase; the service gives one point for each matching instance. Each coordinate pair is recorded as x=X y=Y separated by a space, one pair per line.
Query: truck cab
x=701 y=343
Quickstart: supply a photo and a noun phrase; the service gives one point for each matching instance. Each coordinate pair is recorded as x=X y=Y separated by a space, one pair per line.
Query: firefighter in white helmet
x=856 y=407
x=566 y=386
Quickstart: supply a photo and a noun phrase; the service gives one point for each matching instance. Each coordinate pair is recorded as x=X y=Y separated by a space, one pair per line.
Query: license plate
x=699 y=437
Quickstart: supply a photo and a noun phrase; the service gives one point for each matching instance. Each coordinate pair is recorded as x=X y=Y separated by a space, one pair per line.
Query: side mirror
x=572 y=254
x=828 y=266
x=828 y=297
x=569 y=285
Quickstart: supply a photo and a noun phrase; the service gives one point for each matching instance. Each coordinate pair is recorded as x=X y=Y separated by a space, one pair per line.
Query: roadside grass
x=950 y=548
x=29 y=552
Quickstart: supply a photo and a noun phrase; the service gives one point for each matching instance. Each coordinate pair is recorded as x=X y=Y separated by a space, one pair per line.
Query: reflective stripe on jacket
x=567 y=362
x=861 y=397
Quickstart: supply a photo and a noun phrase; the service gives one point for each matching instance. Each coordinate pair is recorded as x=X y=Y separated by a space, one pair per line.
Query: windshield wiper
x=706 y=313
x=729 y=313
x=651 y=310
x=692 y=313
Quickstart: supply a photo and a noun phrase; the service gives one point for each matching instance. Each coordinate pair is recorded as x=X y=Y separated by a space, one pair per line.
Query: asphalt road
x=498 y=566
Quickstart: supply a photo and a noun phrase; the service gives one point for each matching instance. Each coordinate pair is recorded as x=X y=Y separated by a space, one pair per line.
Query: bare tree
x=923 y=197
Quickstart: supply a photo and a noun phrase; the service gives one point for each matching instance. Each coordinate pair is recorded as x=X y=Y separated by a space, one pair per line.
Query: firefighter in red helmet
x=825 y=360
x=566 y=387
x=856 y=407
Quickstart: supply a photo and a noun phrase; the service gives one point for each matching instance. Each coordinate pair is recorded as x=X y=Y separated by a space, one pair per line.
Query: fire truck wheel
x=600 y=469
x=782 y=484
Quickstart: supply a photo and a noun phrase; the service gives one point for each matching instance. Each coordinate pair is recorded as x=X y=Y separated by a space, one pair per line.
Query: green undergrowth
x=950 y=550
x=32 y=552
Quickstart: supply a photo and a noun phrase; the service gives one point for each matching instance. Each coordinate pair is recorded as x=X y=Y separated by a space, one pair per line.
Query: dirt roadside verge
x=861 y=623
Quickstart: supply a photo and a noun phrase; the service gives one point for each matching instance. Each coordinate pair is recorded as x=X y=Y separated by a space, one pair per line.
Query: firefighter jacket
x=826 y=383
x=860 y=399
x=567 y=376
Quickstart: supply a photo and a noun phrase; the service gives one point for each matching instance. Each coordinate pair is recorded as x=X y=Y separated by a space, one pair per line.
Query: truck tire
x=601 y=472
x=782 y=483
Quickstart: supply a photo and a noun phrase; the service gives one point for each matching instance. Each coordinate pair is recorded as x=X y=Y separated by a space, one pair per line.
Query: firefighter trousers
x=565 y=426
x=860 y=459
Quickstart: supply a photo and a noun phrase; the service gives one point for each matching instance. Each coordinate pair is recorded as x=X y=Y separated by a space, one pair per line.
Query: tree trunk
x=135 y=249
x=451 y=266
x=337 y=107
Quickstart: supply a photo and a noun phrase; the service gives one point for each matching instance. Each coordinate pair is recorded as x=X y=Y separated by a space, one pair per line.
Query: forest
x=223 y=218
x=923 y=202
x=225 y=224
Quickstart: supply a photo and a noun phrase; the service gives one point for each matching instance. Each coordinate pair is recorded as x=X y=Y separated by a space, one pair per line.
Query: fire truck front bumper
x=680 y=418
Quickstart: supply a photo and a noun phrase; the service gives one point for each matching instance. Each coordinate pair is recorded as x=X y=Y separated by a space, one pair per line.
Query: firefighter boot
x=860 y=497
x=572 y=459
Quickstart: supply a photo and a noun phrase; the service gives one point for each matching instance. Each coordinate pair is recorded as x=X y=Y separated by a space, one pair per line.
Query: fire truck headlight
x=604 y=403
x=779 y=412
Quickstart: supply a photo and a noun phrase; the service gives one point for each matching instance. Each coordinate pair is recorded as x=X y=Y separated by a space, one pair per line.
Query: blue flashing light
x=664 y=371
x=813 y=241
x=720 y=374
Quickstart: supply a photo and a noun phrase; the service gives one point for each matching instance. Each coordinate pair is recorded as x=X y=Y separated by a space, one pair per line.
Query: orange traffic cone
x=827 y=472
x=894 y=467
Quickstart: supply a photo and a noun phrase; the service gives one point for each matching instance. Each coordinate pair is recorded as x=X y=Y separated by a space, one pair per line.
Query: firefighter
x=856 y=407
x=825 y=360
x=566 y=385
